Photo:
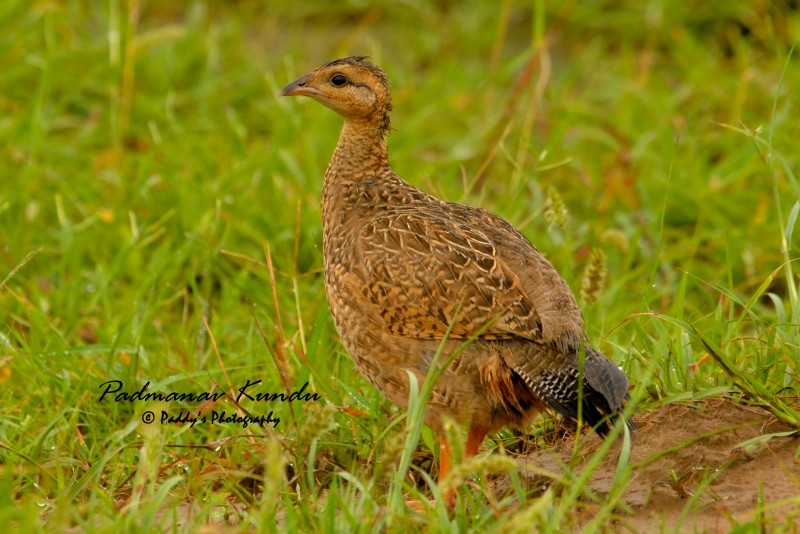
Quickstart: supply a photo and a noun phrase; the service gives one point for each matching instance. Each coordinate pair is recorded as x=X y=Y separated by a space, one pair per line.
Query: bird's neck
x=361 y=152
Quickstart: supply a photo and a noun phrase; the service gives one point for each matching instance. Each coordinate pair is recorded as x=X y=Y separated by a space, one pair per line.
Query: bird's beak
x=299 y=87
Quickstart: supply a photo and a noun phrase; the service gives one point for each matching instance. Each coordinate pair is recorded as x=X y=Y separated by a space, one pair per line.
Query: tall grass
x=159 y=221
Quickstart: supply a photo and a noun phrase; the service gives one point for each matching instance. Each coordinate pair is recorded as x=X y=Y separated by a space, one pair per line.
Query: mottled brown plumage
x=401 y=267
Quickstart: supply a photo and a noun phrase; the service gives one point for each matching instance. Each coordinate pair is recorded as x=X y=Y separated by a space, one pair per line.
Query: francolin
x=406 y=273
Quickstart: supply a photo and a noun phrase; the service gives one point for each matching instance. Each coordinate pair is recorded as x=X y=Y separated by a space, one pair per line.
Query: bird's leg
x=445 y=458
x=475 y=437
x=445 y=463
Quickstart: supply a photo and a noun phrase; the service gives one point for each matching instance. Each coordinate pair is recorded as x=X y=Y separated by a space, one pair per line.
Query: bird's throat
x=360 y=152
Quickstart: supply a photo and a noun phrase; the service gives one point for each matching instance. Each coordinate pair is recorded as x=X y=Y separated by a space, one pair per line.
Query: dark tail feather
x=608 y=391
x=605 y=390
x=603 y=422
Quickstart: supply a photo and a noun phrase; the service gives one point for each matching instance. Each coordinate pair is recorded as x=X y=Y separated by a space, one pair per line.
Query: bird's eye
x=339 y=80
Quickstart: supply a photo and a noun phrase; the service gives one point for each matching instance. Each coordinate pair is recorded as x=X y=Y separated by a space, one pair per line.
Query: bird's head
x=353 y=87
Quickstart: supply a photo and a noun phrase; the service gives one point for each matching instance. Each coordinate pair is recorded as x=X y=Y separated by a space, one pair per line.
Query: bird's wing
x=465 y=269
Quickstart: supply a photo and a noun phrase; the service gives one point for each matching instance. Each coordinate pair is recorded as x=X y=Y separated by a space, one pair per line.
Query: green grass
x=160 y=221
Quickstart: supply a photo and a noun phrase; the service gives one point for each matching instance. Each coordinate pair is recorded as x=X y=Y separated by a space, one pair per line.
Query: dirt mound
x=698 y=468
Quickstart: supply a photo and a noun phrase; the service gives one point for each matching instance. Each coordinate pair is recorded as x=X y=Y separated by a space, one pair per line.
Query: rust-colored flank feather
x=402 y=267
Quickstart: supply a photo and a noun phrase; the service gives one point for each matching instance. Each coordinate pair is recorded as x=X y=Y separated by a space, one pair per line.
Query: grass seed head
x=594 y=277
x=615 y=238
x=555 y=211
x=319 y=419
x=390 y=455
x=483 y=465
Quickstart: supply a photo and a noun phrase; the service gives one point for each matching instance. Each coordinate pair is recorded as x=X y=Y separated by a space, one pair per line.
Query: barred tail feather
x=605 y=390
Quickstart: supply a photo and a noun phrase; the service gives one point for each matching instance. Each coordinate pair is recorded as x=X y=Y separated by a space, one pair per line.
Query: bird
x=409 y=276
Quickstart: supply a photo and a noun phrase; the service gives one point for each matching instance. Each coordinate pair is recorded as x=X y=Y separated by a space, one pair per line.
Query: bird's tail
x=555 y=382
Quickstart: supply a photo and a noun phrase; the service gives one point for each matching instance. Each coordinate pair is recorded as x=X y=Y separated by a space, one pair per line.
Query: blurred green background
x=150 y=175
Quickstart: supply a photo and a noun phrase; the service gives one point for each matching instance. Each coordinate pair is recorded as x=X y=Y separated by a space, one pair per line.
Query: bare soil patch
x=697 y=469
